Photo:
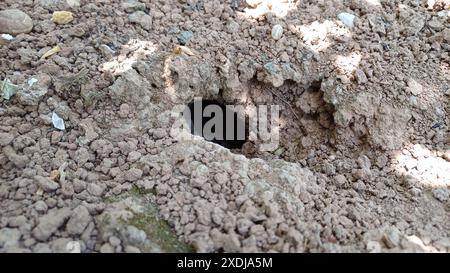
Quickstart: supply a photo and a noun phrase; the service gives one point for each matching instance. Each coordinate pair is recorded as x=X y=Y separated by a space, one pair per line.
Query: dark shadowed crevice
x=225 y=123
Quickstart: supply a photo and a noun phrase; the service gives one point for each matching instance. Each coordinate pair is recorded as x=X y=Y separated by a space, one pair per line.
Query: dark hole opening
x=218 y=123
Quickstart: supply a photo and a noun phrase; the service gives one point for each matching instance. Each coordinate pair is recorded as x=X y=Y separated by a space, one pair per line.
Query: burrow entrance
x=306 y=120
x=218 y=123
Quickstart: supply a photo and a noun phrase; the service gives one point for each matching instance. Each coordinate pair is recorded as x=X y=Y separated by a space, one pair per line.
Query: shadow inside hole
x=229 y=128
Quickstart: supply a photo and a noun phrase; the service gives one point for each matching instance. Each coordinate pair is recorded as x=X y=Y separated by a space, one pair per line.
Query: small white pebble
x=31 y=82
x=443 y=13
x=7 y=37
x=346 y=18
x=277 y=32
x=58 y=122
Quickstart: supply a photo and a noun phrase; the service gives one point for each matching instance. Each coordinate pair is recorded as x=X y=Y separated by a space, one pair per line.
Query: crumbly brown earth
x=363 y=163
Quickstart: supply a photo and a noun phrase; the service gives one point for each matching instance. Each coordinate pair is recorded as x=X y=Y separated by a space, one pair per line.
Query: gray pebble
x=185 y=36
x=14 y=21
x=46 y=183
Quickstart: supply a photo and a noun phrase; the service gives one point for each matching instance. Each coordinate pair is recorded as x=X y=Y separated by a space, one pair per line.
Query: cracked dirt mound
x=363 y=159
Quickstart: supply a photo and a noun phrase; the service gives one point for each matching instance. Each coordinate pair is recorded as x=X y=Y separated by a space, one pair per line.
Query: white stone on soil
x=277 y=32
x=58 y=122
x=346 y=18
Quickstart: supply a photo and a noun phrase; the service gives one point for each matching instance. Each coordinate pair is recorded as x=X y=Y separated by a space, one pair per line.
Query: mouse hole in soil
x=218 y=123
